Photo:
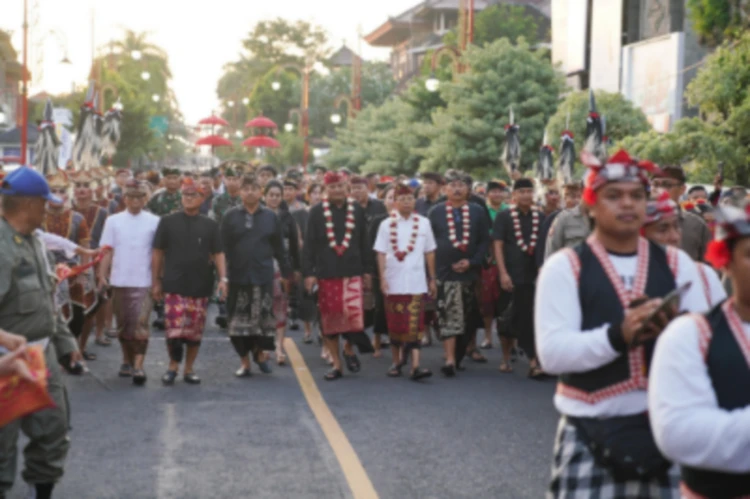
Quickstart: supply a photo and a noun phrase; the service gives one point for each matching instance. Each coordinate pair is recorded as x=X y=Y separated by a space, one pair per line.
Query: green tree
x=718 y=20
x=621 y=117
x=694 y=144
x=469 y=133
x=505 y=21
x=720 y=91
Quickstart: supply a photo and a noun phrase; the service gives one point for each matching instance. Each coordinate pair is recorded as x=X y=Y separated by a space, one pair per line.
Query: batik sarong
x=83 y=291
x=406 y=319
x=132 y=308
x=340 y=305
x=280 y=300
x=575 y=473
x=489 y=291
x=252 y=325
x=184 y=317
x=456 y=306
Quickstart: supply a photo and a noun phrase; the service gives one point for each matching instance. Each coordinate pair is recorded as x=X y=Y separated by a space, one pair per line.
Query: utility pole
x=25 y=85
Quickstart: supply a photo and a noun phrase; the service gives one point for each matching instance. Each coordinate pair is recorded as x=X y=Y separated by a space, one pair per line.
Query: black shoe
x=243 y=373
x=333 y=374
x=420 y=373
x=192 y=379
x=449 y=371
x=221 y=321
x=169 y=377
x=43 y=490
x=139 y=377
x=352 y=363
x=159 y=324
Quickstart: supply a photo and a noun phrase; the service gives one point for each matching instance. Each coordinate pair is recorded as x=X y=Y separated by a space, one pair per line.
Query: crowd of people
x=580 y=277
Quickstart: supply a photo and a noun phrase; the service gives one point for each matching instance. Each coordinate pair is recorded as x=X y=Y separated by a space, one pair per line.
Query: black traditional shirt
x=446 y=254
x=424 y=205
x=374 y=208
x=290 y=235
x=188 y=243
x=320 y=260
x=251 y=243
x=521 y=266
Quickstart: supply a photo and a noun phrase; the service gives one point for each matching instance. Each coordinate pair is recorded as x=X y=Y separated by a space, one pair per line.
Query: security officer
x=27 y=308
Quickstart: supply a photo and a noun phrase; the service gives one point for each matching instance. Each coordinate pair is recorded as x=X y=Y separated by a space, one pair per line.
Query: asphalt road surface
x=483 y=434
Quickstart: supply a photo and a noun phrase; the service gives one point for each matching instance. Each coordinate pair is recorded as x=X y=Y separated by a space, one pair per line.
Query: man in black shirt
x=185 y=245
x=462 y=235
x=337 y=259
x=516 y=232
x=252 y=239
x=432 y=184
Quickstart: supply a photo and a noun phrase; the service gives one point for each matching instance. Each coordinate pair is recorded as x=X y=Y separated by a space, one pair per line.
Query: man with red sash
x=338 y=260
x=597 y=318
x=699 y=392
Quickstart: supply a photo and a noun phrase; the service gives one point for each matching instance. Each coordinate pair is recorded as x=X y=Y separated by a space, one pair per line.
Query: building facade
x=10 y=77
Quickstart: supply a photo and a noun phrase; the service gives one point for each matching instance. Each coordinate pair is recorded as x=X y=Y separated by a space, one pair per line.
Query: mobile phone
x=671 y=301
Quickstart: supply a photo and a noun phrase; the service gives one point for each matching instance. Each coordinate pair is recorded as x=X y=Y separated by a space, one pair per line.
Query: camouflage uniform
x=222 y=204
x=165 y=203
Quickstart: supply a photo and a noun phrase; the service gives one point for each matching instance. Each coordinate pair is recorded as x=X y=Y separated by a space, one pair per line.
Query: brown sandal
x=505 y=368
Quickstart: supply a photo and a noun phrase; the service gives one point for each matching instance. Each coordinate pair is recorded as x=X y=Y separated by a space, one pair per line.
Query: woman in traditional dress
x=380 y=326
x=273 y=196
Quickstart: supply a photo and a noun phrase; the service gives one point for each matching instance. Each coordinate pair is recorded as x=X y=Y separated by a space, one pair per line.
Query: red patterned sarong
x=340 y=305
x=406 y=319
x=489 y=291
x=184 y=317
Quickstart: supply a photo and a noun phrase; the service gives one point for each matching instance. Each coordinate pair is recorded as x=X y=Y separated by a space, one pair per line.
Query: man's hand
x=367 y=281
x=156 y=291
x=310 y=283
x=461 y=266
x=88 y=253
x=634 y=327
x=13 y=364
x=432 y=285
x=506 y=282
x=12 y=341
x=384 y=288
x=221 y=290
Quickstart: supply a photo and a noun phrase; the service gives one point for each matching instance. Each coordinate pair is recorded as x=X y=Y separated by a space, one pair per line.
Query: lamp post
x=25 y=85
x=466 y=37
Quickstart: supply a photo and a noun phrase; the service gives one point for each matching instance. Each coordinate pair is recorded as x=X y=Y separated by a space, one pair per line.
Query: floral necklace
x=400 y=255
x=463 y=244
x=339 y=248
x=526 y=248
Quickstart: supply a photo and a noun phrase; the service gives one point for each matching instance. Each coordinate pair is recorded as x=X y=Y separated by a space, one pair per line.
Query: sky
x=200 y=37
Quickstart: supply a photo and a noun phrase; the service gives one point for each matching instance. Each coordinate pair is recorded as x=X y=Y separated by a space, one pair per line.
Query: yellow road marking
x=355 y=473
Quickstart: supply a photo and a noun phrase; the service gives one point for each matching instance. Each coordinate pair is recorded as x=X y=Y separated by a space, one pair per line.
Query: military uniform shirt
x=165 y=203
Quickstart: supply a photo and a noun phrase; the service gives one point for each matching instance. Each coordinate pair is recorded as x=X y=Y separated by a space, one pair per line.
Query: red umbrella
x=262 y=141
x=260 y=122
x=213 y=141
x=214 y=120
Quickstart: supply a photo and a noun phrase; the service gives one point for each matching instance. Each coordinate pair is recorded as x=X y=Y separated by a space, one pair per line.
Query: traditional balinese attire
x=405 y=242
x=604 y=446
x=699 y=388
x=337 y=253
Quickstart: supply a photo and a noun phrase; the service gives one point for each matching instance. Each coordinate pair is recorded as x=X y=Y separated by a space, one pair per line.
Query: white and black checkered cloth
x=575 y=474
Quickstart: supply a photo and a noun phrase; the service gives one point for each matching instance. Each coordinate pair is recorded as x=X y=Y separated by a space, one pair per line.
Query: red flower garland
x=400 y=255
x=340 y=249
x=462 y=245
x=529 y=249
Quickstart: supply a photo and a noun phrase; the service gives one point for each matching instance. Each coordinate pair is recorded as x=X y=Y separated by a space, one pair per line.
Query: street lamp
x=432 y=84
x=336 y=118
x=136 y=55
x=145 y=76
x=155 y=98
x=276 y=86
x=238 y=134
x=288 y=127
x=246 y=101
x=230 y=103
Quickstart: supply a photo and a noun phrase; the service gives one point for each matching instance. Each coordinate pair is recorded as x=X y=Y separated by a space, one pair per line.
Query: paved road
x=480 y=435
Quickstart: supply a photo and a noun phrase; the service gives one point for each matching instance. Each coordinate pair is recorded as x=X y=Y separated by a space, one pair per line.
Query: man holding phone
x=699 y=395
x=596 y=328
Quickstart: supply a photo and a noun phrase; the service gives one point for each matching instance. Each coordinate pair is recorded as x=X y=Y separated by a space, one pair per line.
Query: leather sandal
x=333 y=374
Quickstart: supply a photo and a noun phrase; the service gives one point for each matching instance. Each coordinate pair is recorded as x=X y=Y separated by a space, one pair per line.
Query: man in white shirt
x=404 y=243
x=699 y=389
x=596 y=324
x=127 y=269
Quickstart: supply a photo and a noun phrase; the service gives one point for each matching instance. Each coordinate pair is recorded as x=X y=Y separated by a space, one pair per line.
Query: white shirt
x=689 y=426
x=131 y=237
x=563 y=348
x=407 y=277
x=53 y=242
x=711 y=284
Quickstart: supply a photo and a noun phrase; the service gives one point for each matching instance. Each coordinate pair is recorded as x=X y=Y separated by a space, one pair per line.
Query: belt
x=43 y=342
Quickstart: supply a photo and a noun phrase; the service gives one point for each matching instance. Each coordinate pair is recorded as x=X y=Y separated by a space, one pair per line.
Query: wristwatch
x=224 y=279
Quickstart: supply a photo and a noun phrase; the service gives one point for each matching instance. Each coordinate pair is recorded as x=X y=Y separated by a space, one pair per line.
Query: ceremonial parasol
x=214 y=120
x=261 y=141
x=264 y=128
x=260 y=122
